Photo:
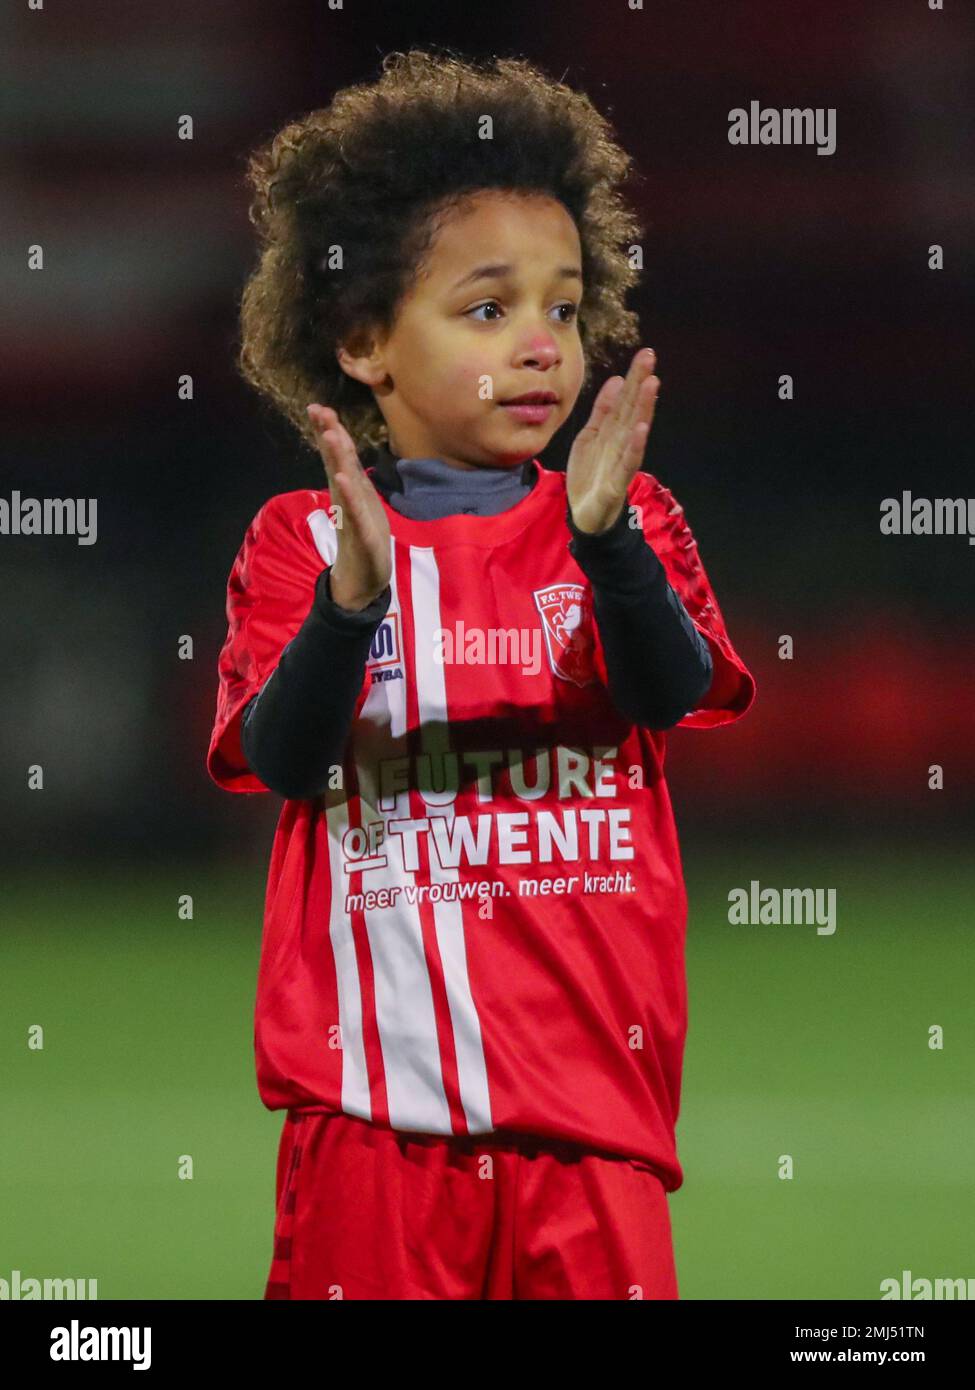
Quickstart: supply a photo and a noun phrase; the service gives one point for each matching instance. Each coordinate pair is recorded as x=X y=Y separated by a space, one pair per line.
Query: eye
x=488 y=304
x=573 y=310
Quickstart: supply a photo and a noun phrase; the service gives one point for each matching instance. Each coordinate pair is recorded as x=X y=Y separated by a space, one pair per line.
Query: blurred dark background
x=759 y=261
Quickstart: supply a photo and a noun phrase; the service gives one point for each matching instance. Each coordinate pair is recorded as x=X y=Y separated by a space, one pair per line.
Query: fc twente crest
x=566 y=611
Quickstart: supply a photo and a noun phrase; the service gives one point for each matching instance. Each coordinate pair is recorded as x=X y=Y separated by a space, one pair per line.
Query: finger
x=353 y=488
x=644 y=407
x=360 y=486
x=634 y=406
x=354 y=516
x=653 y=384
x=622 y=467
x=341 y=487
x=323 y=419
x=646 y=401
x=625 y=413
x=328 y=447
x=625 y=416
x=637 y=442
x=349 y=486
x=349 y=459
x=605 y=400
x=335 y=445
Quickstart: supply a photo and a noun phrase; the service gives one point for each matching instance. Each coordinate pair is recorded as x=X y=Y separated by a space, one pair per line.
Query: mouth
x=533 y=408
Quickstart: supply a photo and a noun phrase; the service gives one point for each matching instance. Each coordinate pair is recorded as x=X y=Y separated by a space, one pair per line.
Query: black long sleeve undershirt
x=658 y=665
x=295 y=728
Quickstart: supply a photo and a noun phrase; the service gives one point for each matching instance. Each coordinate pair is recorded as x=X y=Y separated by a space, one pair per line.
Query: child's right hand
x=362 y=567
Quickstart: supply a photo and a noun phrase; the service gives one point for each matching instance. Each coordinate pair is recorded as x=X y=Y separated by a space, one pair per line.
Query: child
x=458 y=669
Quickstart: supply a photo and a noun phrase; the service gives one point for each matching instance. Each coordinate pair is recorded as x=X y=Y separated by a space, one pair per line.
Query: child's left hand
x=608 y=451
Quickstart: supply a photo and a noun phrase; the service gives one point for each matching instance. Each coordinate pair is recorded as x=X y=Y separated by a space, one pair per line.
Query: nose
x=541 y=350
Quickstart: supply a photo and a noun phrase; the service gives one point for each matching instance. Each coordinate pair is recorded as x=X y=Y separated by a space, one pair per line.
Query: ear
x=361 y=357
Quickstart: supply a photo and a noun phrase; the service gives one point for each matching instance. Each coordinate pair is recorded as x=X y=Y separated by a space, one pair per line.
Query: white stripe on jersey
x=355 y=1077
x=405 y=1014
x=448 y=916
x=356 y=1099
x=323 y=534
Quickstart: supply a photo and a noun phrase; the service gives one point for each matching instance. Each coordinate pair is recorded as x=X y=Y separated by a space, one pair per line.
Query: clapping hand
x=608 y=451
x=362 y=565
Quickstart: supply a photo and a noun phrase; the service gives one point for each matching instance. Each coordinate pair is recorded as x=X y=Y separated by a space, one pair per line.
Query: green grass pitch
x=799 y=1044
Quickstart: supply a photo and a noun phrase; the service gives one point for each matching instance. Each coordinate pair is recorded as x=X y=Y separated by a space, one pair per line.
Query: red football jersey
x=481 y=925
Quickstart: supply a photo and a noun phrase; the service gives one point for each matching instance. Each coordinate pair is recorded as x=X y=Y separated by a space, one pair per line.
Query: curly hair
x=373 y=172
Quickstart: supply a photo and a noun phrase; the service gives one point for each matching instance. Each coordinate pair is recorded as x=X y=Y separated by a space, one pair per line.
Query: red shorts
x=375 y=1213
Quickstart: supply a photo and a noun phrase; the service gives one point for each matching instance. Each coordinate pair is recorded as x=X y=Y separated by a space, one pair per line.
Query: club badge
x=566 y=611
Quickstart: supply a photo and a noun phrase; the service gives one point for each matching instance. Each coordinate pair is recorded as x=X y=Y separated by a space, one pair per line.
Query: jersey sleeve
x=269 y=595
x=661 y=517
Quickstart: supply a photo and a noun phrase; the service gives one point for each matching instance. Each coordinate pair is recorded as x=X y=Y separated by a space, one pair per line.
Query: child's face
x=509 y=332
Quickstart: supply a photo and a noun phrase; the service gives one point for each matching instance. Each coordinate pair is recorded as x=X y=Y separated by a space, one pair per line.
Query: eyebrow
x=497 y=272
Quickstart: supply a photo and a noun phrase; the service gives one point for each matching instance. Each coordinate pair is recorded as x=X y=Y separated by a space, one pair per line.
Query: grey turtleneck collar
x=426 y=489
